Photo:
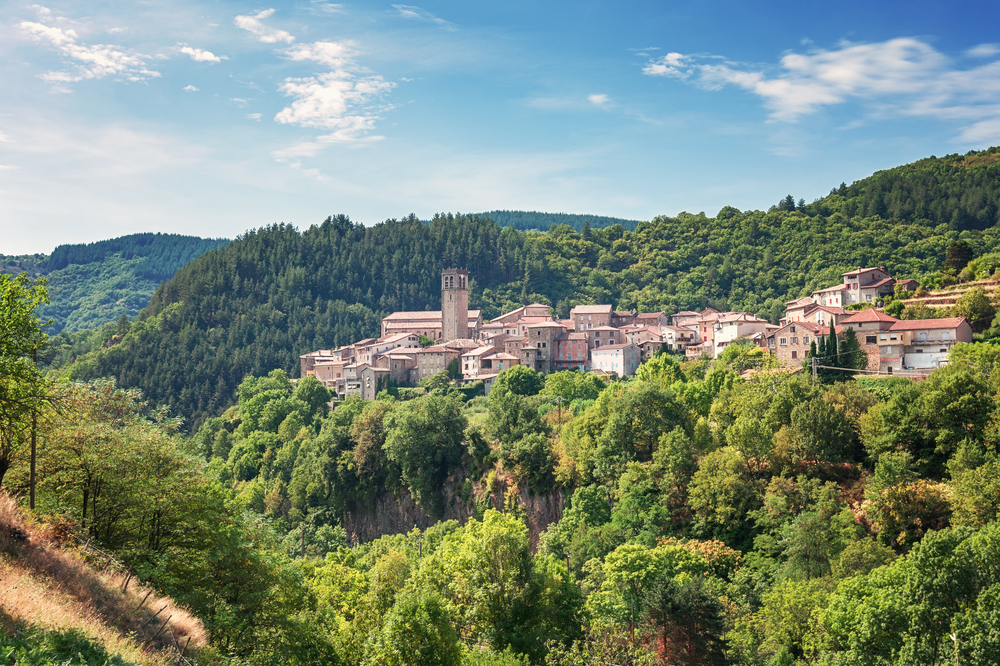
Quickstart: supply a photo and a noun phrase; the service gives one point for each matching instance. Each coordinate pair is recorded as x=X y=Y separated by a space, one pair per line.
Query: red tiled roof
x=839 y=287
x=879 y=283
x=869 y=315
x=592 y=309
x=920 y=324
x=649 y=315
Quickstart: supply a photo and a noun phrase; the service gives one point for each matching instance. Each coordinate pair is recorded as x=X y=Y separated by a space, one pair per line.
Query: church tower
x=454 y=304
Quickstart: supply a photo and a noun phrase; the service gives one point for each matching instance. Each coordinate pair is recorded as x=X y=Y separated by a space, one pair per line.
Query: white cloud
x=88 y=61
x=190 y=89
x=899 y=77
x=411 y=12
x=265 y=34
x=239 y=101
x=340 y=100
x=198 y=55
x=599 y=100
x=116 y=31
x=7 y=167
x=254 y=116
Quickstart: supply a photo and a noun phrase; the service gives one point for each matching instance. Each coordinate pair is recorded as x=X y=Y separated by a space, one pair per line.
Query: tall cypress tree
x=831 y=348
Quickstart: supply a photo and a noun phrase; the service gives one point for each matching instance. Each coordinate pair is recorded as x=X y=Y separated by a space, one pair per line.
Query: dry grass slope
x=45 y=582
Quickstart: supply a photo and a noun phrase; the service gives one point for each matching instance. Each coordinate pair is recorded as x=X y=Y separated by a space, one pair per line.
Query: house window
x=805 y=339
x=783 y=341
x=946 y=335
x=795 y=354
x=793 y=329
x=795 y=341
x=892 y=337
x=870 y=340
x=923 y=336
x=868 y=298
x=882 y=337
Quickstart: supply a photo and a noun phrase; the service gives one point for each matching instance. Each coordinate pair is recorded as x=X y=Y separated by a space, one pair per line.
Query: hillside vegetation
x=278 y=292
x=96 y=283
x=534 y=221
x=58 y=605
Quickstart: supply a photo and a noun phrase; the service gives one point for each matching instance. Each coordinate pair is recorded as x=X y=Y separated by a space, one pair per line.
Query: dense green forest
x=534 y=221
x=278 y=292
x=95 y=283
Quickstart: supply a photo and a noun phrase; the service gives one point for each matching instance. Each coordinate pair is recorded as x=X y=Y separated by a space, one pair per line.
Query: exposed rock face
x=396 y=513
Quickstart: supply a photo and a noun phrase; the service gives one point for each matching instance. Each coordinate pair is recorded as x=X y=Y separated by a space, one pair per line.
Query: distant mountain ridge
x=91 y=284
x=532 y=220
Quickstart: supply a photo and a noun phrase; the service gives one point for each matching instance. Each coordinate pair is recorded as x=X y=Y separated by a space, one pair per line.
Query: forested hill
x=277 y=292
x=534 y=221
x=160 y=254
x=96 y=283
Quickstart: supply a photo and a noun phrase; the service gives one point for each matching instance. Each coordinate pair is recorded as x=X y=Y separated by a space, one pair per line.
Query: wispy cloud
x=899 y=77
x=263 y=33
x=411 y=12
x=94 y=61
x=190 y=89
x=239 y=101
x=199 y=55
x=318 y=7
x=254 y=116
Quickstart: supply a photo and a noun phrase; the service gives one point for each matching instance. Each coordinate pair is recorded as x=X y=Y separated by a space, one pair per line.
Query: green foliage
x=36 y=647
x=424 y=438
x=23 y=390
x=417 y=632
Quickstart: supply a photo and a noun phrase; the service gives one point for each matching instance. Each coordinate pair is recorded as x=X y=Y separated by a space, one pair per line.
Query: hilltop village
x=598 y=338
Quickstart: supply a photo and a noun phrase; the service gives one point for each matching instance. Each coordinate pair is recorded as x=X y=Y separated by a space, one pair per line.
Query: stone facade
x=454 y=304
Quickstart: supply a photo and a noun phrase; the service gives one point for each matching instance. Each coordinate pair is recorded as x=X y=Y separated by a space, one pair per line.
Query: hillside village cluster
x=600 y=339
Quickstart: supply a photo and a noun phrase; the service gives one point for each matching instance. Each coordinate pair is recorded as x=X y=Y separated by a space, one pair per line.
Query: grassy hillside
x=277 y=292
x=95 y=283
x=60 y=603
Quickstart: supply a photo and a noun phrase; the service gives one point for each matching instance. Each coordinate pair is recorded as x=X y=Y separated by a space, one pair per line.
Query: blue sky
x=210 y=118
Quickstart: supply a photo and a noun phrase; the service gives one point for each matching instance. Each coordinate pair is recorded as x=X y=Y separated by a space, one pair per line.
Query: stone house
x=430 y=361
x=920 y=344
x=622 y=360
x=790 y=343
x=651 y=319
x=590 y=316
x=733 y=325
x=572 y=351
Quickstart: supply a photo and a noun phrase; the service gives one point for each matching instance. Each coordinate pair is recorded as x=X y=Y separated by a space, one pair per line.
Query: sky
x=211 y=118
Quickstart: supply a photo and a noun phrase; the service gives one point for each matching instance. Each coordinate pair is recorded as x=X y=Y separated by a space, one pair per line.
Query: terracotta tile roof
x=423 y=315
x=839 y=287
x=533 y=320
x=592 y=309
x=543 y=324
x=686 y=313
x=649 y=315
x=869 y=315
x=879 y=283
x=831 y=309
x=921 y=324
x=864 y=270
x=480 y=351
x=799 y=302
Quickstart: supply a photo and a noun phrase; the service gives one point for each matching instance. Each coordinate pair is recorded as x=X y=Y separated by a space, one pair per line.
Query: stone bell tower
x=454 y=304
